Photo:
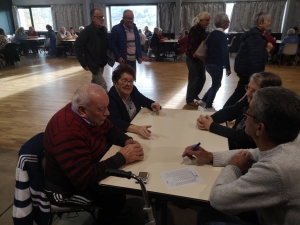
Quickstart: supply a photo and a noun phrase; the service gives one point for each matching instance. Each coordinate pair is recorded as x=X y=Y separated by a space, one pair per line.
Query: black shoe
x=126 y=212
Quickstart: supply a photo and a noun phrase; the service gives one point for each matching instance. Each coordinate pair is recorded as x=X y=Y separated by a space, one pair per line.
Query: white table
x=172 y=131
x=278 y=41
x=35 y=39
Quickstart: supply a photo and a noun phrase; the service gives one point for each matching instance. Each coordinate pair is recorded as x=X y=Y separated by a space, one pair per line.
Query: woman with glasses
x=252 y=55
x=125 y=101
x=237 y=138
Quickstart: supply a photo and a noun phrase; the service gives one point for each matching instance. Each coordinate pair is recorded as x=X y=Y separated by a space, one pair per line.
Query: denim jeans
x=196 y=79
x=216 y=73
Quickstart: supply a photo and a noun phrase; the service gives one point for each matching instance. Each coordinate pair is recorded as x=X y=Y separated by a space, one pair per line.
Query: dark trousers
x=216 y=73
x=157 y=51
x=239 y=91
x=132 y=63
x=196 y=79
x=34 y=46
x=23 y=47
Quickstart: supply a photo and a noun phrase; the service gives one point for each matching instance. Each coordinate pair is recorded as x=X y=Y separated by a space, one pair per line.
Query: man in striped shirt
x=125 y=41
x=76 y=138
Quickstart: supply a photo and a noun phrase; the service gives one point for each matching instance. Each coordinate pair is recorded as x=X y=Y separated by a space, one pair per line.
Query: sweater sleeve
x=142 y=99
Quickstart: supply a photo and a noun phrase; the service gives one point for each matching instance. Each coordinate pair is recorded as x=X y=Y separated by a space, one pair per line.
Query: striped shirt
x=131 y=48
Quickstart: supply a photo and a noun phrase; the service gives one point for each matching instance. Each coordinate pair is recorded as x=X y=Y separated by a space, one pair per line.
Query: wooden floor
x=33 y=91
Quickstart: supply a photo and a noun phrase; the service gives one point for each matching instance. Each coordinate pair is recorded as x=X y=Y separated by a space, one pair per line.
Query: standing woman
x=252 y=55
x=217 y=58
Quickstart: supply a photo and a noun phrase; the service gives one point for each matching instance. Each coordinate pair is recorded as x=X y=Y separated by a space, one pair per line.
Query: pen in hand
x=193 y=148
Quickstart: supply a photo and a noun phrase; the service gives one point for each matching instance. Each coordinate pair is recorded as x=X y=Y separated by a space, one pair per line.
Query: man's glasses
x=246 y=112
x=100 y=17
x=126 y=81
x=247 y=88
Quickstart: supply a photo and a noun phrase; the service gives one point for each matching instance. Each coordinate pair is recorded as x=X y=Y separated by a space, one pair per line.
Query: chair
x=290 y=49
x=231 y=43
x=31 y=202
x=45 y=47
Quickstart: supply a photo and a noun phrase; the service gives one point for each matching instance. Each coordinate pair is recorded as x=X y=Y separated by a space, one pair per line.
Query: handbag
x=201 y=52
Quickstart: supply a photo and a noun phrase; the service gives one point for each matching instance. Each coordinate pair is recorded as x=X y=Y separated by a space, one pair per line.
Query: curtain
x=67 y=16
x=190 y=10
x=102 y=7
x=166 y=17
x=16 y=17
x=296 y=17
x=243 y=13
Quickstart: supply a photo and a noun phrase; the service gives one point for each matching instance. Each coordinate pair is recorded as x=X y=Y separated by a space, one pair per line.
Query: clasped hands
x=204 y=122
x=133 y=151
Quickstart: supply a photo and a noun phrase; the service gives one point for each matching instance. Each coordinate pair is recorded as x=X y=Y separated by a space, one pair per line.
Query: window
x=38 y=17
x=144 y=15
x=229 y=8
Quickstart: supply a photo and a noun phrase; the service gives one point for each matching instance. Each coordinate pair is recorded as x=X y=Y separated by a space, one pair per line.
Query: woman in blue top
x=217 y=58
x=125 y=101
x=18 y=40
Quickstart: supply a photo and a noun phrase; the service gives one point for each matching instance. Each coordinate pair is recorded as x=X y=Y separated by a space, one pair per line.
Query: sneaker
x=126 y=212
x=201 y=108
x=210 y=109
x=201 y=103
x=178 y=57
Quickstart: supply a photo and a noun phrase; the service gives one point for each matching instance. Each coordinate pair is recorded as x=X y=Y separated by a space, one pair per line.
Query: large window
x=38 y=17
x=229 y=8
x=144 y=15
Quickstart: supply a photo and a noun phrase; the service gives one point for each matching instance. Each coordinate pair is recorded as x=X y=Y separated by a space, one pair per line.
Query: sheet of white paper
x=181 y=177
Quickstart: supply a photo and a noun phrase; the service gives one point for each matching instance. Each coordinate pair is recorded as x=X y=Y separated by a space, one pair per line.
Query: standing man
x=125 y=41
x=196 y=67
x=91 y=47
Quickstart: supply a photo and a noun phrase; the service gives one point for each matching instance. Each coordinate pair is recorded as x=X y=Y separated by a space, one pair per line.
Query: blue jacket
x=19 y=37
x=118 y=42
x=288 y=39
x=252 y=55
x=217 y=50
x=118 y=113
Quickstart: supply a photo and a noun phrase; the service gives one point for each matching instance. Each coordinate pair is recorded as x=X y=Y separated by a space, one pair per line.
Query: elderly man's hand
x=155 y=107
x=131 y=141
x=204 y=122
x=200 y=153
x=121 y=60
x=132 y=152
x=143 y=131
x=241 y=159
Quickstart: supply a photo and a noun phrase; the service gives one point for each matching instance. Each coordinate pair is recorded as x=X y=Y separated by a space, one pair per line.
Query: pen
x=193 y=148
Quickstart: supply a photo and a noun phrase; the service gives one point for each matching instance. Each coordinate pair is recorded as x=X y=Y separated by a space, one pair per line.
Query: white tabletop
x=70 y=40
x=35 y=39
x=171 y=40
x=278 y=41
x=172 y=131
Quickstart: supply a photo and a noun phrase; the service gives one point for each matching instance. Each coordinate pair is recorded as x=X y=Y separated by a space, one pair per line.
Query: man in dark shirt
x=76 y=138
x=196 y=78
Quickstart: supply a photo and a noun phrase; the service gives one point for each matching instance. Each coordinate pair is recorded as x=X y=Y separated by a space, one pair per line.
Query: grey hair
x=82 y=95
x=219 y=19
x=81 y=28
x=93 y=12
x=279 y=110
x=195 y=21
x=260 y=17
x=202 y=15
x=291 y=31
x=266 y=79
x=60 y=29
x=127 y=10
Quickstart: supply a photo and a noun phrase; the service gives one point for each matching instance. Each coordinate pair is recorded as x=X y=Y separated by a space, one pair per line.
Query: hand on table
x=143 y=131
x=132 y=152
x=204 y=122
x=155 y=107
x=241 y=159
x=131 y=141
x=200 y=153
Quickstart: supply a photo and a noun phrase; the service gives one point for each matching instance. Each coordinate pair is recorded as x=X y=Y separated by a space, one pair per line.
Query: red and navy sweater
x=73 y=149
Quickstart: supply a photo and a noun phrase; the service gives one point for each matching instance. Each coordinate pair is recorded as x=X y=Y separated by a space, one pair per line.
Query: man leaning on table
x=271 y=184
x=76 y=138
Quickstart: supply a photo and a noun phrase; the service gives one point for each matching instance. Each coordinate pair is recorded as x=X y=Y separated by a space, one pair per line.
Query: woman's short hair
x=2 y=32
x=260 y=17
x=48 y=26
x=122 y=68
x=202 y=15
x=20 y=30
x=266 y=79
x=219 y=19
x=279 y=110
x=291 y=31
x=195 y=21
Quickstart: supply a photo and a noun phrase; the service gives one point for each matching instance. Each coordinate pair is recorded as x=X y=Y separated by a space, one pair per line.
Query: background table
x=172 y=130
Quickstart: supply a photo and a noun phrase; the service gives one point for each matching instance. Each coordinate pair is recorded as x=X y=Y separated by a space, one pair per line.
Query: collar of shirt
x=220 y=29
x=75 y=111
x=126 y=28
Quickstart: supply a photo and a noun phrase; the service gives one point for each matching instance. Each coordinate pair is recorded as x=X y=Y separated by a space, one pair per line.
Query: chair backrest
x=43 y=36
x=290 y=49
x=231 y=42
x=47 y=43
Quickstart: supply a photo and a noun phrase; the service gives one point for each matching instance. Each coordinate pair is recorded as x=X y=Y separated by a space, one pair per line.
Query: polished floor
x=33 y=91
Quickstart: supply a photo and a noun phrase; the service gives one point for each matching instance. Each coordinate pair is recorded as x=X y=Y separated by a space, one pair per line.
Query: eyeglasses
x=245 y=111
x=126 y=81
x=100 y=17
x=247 y=88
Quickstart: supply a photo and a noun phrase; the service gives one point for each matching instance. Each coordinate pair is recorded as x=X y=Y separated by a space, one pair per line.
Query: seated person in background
x=264 y=178
x=3 y=42
x=50 y=34
x=157 y=49
x=182 y=45
x=125 y=101
x=72 y=33
x=33 y=44
x=182 y=33
x=161 y=38
x=60 y=37
x=237 y=137
x=75 y=140
x=18 y=40
x=290 y=38
x=81 y=28
x=142 y=39
x=147 y=32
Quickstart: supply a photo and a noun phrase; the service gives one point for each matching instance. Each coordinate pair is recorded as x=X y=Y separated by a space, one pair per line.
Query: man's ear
x=261 y=129
x=81 y=110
